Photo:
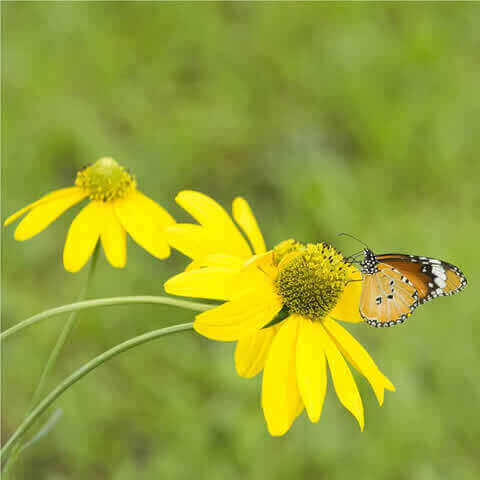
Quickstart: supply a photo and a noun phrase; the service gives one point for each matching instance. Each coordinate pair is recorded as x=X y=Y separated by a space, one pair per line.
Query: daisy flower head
x=281 y=306
x=115 y=207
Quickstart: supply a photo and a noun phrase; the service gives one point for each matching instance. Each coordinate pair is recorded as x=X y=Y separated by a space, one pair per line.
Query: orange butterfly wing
x=430 y=277
x=454 y=282
x=387 y=298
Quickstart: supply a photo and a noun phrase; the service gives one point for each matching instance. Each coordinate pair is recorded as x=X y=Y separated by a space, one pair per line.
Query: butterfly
x=395 y=284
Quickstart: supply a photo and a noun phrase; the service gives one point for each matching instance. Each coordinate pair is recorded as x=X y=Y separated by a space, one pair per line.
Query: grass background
x=326 y=117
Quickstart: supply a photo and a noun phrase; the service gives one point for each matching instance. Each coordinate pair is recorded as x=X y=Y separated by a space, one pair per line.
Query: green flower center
x=284 y=248
x=311 y=282
x=105 y=180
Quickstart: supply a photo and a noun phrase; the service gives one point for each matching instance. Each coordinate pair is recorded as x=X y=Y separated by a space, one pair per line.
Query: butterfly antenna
x=353 y=260
x=355 y=238
x=356 y=254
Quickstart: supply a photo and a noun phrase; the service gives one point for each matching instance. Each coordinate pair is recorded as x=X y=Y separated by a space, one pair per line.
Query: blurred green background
x=327 y=118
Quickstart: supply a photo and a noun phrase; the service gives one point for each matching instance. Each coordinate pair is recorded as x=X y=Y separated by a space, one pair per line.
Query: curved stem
x=81 y=372
x=57 y=348
x=62 y=338
x=104 y=302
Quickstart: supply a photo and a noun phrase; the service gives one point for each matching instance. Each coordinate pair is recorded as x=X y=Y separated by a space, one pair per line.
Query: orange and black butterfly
x=395 y=284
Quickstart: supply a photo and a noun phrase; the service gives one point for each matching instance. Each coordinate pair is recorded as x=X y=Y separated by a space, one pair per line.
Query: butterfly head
x=369 y=263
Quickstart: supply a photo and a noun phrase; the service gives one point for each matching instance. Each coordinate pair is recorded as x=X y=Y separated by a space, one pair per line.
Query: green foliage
x=327 y=117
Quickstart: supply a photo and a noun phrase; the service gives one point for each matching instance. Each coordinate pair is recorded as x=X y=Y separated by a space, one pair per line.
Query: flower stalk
x=80 y=373
x=52 y=358
x=104 y=302
x=64 y=334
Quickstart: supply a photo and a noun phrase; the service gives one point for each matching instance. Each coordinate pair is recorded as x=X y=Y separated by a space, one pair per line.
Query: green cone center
x=312 y=281
x=105 y=180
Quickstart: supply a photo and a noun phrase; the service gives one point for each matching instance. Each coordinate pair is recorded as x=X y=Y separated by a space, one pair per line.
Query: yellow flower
x=115 y=207
x=311 y=286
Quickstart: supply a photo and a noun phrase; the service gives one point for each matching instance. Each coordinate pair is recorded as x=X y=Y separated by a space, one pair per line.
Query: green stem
x=62 y=338
x=104 y=302
x=81 y=372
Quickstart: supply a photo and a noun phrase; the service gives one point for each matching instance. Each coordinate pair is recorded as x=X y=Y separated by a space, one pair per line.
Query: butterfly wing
x=387 y=298
x=431 y=277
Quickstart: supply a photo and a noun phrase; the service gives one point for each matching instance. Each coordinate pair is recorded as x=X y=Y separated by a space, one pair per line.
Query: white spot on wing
x=439 y=271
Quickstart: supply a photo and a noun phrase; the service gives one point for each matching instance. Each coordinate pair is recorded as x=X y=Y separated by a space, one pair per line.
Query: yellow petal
x=208 y=282
x=214 y=218
x=243 y=215
x=194 y=241
x=347 y=307
x=44 y=213
x=82 y=236
x=251 y=274
x=161 y=216
x=311 y=368
x=46 y=198
x=217 y=260
x=354 y=352
x=300 y=406
x=265 y=263
x=240 y=317
x=145 y=221
x=343 y=381
x=251 y=352
x=114 y=238
x=281 y=400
